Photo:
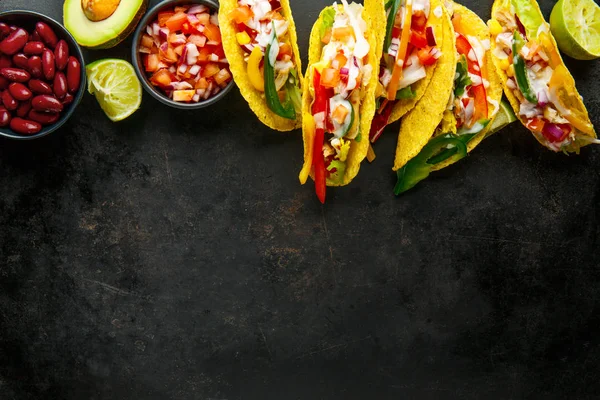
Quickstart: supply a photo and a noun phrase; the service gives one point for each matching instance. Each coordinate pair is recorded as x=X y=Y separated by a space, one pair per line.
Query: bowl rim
x=63 y=34
x=136 y=58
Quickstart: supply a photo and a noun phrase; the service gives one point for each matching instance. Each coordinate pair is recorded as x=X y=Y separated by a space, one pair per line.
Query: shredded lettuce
x=337 y=177
x=405 y=93
x=293 y=91
x=462 y=79
x=328 y=19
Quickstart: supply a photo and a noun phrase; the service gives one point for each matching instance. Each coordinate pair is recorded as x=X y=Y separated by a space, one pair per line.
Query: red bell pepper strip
x=319 y=106
x=380 y=121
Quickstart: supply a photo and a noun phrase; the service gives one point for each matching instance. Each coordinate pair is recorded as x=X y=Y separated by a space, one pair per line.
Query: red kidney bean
x=48 y=66
x=68 y=99
x=20 y=60
x=3 y=83
x=5 y=117
x=24 y=109
x=4 y=30
x=43 y=118
x=19 y=91
x=60 y=85
x=61 y=55
x=32 y=48
x=14 y=42
x=34 y=65
x=73 y=74
x=40 y=87
x=35 y=37
x=46 y=34
x=9 y=102
x=46 y=103
x=5 y=61
x=25 y=126
x=15 y=74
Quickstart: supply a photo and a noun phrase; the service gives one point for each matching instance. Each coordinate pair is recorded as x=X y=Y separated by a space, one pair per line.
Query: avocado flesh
x=108 y=32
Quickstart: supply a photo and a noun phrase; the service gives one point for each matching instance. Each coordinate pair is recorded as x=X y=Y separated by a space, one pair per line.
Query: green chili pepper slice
x=420 y=167
x=521 y=69
x=394 y=6
x=273 y=102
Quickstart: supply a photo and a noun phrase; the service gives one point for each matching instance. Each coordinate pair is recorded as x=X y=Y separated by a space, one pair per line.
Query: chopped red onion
x=344 y=71
x=196 y=98
x=553 y=132
x=194 y=69
x=543 y=99
x=163 y=33
x=197 y=9
x=192 y=19
x=182 y=69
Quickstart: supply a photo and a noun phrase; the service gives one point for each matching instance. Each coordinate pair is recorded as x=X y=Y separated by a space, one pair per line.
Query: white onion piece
x=194 y=69
x=197 y=9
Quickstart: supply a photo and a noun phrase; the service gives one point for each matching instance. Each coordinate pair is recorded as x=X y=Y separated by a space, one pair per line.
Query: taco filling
x=338 y=79
x=262 y=33
x=410 y=46
x=545 y=90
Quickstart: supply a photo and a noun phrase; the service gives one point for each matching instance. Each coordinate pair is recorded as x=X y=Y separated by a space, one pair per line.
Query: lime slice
x=576 y=26
x=505 y=117
x=116 y=87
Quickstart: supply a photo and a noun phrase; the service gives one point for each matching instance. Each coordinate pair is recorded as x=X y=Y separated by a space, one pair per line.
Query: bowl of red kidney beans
x=42 y=75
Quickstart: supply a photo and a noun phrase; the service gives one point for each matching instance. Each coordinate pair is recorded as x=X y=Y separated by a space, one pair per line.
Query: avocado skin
x=126 y=32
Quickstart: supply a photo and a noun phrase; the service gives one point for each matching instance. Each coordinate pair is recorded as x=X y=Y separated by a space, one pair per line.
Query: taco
x=473 y=102
x=252 y=29
x=536 y=81
x=420 y=123
x=410 y=55
x=339 y=92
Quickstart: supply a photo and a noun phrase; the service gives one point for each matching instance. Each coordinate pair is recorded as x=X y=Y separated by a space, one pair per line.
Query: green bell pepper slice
x=420 y=167
x=521 y=69
x=273 y=102
x=393 y=7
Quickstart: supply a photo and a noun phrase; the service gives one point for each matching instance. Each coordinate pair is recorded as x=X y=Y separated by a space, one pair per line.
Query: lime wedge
x=116 y=87
x=505 y=117
x=576 y=26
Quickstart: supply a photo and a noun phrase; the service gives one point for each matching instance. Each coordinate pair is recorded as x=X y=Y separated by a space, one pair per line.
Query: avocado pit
x=99 y=10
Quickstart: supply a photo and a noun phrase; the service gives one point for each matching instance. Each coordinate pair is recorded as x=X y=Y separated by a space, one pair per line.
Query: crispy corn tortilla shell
x=235 y=56
x=404 y=106
x=512 y=99
x=374 y=16
x=479 y=29
x=420 y=123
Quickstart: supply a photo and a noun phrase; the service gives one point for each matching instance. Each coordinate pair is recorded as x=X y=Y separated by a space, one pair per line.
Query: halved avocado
x=101 y=24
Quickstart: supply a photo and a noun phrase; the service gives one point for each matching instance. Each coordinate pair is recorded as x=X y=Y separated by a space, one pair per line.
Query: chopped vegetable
x=521 y=69
x=273 y=101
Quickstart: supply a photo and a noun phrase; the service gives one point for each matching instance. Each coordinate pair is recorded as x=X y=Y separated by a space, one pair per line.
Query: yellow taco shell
x=235 y=56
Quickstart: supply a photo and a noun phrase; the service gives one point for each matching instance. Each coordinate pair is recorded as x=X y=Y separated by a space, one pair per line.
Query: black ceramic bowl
x=27 y=20
x=149 y=17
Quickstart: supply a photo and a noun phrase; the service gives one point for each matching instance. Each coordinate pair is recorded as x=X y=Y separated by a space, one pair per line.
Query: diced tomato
x=205 y=53
x=330 y=77
x=201 y=84
x=176 y=22
x=481 y=104
x=147 y=41
x=284 y=50
x=342 y=33
x=396 y=32
x=212 y=33
x=339 y=61
x=218 y=50
x=327 y=36
x=169 y=56
x=179 y=49
x=419 y=21
x=198 y=40
x=339 y=114
x=222 y=77
x=211 y=69
x=241 y=14
x=163 y=16
x=203 y=18
x=181 y=9
x=275 y=5
x=151 y=62
x=419 y=40
x=162 y=78
x=425 y=56
x=536 y=124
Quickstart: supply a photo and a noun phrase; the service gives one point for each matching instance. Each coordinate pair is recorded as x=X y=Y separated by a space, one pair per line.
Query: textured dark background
x=175 y=256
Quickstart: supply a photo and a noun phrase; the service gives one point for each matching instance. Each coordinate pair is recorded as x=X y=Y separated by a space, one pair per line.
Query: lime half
x=505 y=117
x=116 y=87
x=576 y=26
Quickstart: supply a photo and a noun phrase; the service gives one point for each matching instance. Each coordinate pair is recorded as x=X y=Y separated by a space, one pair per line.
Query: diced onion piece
x=197 y=9
x=194 y=69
